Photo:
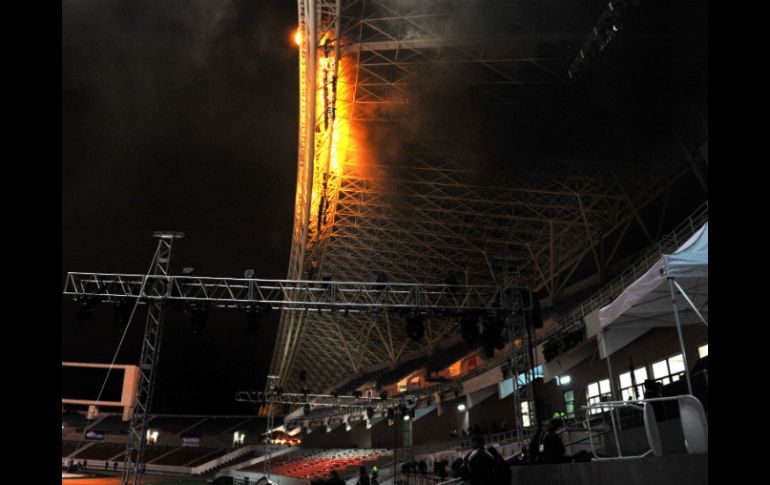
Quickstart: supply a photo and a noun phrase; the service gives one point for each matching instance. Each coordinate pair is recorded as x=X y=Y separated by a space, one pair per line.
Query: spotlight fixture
x=199 y=313
x=85 y=309
x=415 y=327
x=252 y=314
x=461 y=407
x=122 y=313
x=469 y=328
x=187 y=271
x=347 y=426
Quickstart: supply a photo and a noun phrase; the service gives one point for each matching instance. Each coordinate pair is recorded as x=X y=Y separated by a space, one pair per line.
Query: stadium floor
x=116 y=481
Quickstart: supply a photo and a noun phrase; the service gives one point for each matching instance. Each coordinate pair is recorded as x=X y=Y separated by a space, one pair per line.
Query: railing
x=693 y=418
x=670 y=242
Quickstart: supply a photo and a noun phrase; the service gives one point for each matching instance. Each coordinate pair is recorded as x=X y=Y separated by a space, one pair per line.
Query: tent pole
x=679 y=331
x=692 y=305
x=615 y=414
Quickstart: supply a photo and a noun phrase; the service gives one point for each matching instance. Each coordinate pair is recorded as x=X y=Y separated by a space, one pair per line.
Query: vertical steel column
x=148 y=363
x=521 y=360
x=271 y=398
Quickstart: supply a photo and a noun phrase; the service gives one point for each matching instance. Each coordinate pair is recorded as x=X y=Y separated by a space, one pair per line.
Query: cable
x=120 y=344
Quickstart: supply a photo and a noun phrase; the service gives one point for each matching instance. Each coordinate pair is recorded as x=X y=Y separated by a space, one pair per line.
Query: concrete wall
x=653 y=346
x=662 y=470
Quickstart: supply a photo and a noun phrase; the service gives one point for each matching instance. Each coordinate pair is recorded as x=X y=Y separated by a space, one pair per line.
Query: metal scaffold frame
x=148 y=362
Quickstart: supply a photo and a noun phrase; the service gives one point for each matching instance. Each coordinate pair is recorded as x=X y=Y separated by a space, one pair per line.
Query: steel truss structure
x=148 y=362
x=344 y=297
x=428 y=213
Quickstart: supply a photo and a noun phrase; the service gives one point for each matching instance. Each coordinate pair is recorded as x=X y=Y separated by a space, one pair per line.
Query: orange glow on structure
x=297 y=37
x=333 y=140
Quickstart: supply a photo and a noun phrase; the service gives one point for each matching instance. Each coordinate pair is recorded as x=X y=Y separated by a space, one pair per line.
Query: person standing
x=479 y=464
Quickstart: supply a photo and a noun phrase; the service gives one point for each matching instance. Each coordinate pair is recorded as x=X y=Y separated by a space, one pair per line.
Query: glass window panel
x=640 y=375
x=703 y=351
x=593 y=389
x=676 y=364
x=626 y=394
x=604 y=386
x=625 y=380
x=659 y=369
x=665 y=381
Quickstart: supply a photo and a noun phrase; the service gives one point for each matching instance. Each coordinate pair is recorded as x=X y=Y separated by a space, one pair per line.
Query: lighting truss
x=326 y=296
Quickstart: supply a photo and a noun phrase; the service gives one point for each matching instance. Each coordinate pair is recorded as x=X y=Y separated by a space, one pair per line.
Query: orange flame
x=297 y=37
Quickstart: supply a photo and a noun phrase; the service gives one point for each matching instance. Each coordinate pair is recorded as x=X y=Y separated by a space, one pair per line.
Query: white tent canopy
x=647 y=302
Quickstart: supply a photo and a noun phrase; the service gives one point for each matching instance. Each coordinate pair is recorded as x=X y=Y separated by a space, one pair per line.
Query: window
x=703 y=351
x=627 y=389
x=569 y=404
x=597 y=392
x=668 y=370
x=526 y=419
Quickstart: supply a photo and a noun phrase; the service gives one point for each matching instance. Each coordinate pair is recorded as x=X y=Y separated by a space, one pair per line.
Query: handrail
x=692 y=427
x=671 y=241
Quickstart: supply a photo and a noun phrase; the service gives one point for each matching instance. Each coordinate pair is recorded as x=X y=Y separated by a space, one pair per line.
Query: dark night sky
x=179 y=115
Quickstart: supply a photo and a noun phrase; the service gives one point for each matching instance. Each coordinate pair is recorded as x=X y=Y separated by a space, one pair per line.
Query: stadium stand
x=311 y=464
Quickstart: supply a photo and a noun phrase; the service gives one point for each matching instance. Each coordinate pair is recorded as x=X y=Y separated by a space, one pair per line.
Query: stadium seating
x=310 y=464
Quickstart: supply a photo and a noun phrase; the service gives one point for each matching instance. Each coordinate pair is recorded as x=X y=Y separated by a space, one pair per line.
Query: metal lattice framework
x=429 y=211
x=343 y=297
x=148 y=363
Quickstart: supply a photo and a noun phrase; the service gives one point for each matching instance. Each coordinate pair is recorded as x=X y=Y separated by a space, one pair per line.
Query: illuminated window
x=598 y=392
x=526 y=419
x=627 y=389
x=668 y=370
x=569 y=404
x=703 y=351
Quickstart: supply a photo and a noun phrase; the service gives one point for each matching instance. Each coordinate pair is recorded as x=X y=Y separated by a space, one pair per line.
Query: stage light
x=328 y=428
x=414 y=327
x=347 y=426
x=297 y=37
x=122 y=313
x=469 y=328
x=199 y=313
x=85 y=309
x=368 y=424
x=407 y=417
x=253 y=315
x=461 y=407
